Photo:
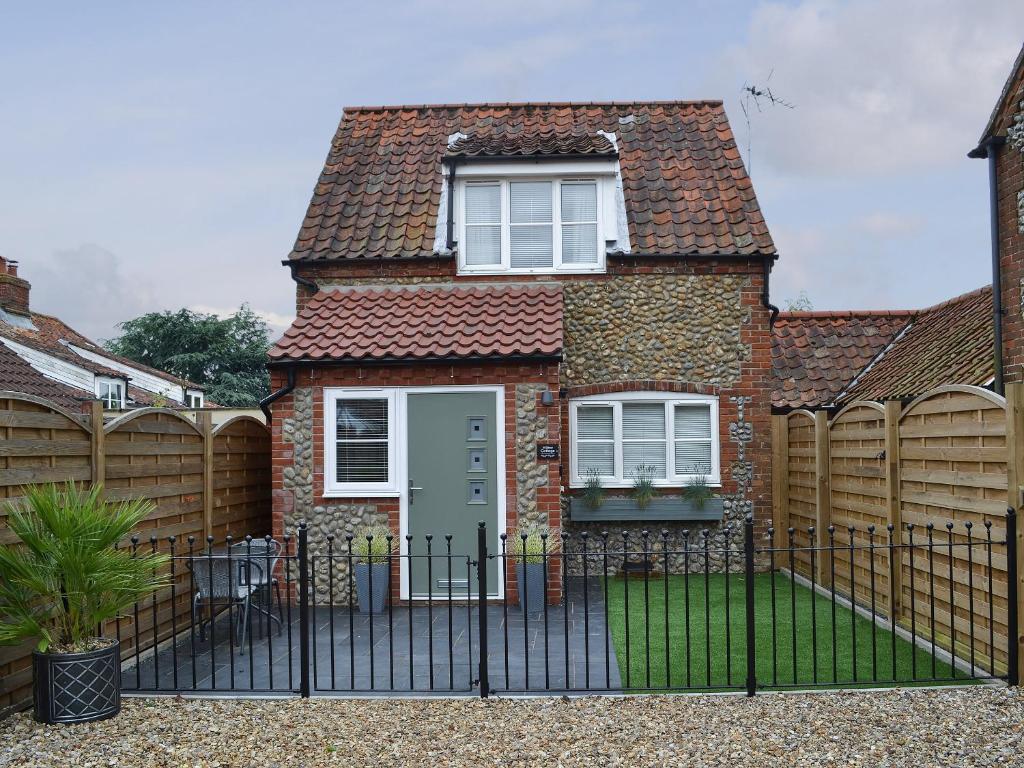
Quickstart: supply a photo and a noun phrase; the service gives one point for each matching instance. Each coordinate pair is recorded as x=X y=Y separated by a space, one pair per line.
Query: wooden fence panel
x=39 y=442
x=802 y=485
x=859 y=499
x=155 y=454
x=953 y=468
x=241 y=479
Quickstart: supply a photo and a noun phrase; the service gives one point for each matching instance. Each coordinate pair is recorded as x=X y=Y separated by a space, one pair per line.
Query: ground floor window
x=671 y=438
x=360 y=430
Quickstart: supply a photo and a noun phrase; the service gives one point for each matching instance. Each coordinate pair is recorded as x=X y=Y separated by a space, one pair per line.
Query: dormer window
x=111 y=393
x=531 y=225
x=193 y=398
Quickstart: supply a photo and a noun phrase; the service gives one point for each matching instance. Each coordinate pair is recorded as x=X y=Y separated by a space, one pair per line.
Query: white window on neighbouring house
x=670 y=437
x=531 y=225
x=360 y=441
x=193 y=399
x=111 y=393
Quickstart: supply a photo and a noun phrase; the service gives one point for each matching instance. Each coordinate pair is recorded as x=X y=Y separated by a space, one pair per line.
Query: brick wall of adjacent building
x=1010 y=188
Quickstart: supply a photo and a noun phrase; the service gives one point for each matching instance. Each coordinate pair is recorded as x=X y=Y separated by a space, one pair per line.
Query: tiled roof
x=950 y=343
x=426 y=323
x=815 y=355
x=685 y=188
x=547 y=143
x=18 y=376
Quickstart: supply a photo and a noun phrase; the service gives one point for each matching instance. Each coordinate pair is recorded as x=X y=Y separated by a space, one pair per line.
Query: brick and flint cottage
x=496 y=302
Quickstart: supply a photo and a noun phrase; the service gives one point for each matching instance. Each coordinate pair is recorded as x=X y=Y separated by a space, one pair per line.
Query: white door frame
x=403 y=471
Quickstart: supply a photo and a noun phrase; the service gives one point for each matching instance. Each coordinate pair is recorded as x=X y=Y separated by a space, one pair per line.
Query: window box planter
x=662 y=508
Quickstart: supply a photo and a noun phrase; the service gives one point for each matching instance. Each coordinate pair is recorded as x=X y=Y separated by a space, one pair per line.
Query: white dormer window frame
x=111 y=392
x=193 y=398
x=535 y=218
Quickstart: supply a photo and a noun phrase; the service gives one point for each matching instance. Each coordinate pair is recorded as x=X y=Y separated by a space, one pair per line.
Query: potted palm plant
x=372 y=547
x=530 y=549
x=63 y=580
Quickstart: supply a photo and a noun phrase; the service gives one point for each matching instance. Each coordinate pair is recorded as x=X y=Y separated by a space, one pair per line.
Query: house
x=1002 y=144
x=496 y=302
x=42 y=356
x=830 y=359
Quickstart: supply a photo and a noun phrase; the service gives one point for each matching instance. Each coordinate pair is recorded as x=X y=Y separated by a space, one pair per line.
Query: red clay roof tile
x=420 y=323
x=383 y=174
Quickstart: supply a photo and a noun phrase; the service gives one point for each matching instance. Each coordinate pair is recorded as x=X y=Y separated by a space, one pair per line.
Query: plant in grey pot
x=61 y=580
x=372 y=549
x=531 y=549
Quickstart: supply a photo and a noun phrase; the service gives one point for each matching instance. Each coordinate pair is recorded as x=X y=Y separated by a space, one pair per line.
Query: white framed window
x=527 y=225
x=111 y=393
x=675 y=436
x=193 y=398
x=360 y=441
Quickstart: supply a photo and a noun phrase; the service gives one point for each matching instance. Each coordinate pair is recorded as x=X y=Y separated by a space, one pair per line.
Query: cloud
x=879 y=87
x=278 y=322
x=881 y=224
x=89 y=288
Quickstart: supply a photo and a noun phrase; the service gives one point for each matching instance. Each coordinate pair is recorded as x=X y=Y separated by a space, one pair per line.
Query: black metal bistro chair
x=266 y=555
x=226 y=580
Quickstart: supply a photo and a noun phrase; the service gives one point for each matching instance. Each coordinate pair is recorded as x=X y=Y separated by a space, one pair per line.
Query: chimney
x=13 y=289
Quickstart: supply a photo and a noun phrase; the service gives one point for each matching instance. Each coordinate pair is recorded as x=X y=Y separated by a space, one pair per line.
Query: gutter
x=266 y=402
x=304 y=281
x=373 y=361
x=989 y=149
x=765 y=292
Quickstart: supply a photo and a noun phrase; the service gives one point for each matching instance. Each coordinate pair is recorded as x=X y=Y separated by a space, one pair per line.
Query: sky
x=161 y=155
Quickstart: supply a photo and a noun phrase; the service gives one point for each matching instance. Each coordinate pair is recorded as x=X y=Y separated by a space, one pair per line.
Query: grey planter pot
x=371 y=602
x=77 y=687
x=531 y=583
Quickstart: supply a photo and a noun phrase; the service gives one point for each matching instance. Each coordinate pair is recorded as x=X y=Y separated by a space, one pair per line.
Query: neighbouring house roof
x=18 y=376
x=685 y=188
x=425 y=323
x=816 y=355
x=831 y=358
x=950 y=343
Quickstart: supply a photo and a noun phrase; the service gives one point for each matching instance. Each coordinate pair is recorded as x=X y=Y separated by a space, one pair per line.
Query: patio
x=352 y=652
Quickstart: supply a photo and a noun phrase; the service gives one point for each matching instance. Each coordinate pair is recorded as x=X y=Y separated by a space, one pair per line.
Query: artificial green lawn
x=771 y=672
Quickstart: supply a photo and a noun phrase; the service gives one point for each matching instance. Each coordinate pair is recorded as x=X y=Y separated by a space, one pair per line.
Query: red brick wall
x=1010 y=181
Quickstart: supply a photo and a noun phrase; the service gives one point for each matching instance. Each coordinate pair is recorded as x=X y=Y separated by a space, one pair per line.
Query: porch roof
x=425 y=323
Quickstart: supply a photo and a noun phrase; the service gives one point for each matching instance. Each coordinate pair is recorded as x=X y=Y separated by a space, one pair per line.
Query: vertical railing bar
x=874 y=605
x=469 y=619
x=853 y=598
x=686 y=603
x=930 y=527
x=391 y=610
x=751 y=642
x=430 y=609
x=409 y=562
x=647 y=608
x=523 y=603
x=952 y=601
x=213 y=616
x=330 y=606
x=792 y=595
x=607 y=630
x=625 y=604
x=503 y=575
x=287 y=539
x=991 y=596
x=1013 y=619
x=303 y=551
x=135 y=623
x=371 y=617
x=156 y=623
x=586 y=613
x=707 y=604
x=970 y=590
x=893 y=597
x=174 y=612
x=668 y=633
x=544 y=602
x=812 y=537
x=728 y=606
x=268 y=583
x=771 y=587
x=563 y=555
x=832 y=590
x=913 y=604
x=232 y=615
x=481 y=549
x=192 y=608
x=248 y=613
x=451 y=644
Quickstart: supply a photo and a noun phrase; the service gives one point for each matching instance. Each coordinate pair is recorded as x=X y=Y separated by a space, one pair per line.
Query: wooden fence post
x=780 y=473
x=99 y=452
x=205 y=424
x=894 y=512
x=823 y=485
x=1014 y=478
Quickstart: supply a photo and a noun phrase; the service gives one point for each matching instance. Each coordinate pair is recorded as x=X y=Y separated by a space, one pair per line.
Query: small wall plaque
x=547 y=452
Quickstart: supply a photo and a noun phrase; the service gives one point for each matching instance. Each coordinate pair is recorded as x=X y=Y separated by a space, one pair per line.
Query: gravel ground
x=951 y=727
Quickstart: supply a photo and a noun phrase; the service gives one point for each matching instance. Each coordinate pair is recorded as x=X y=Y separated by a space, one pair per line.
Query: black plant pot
x=77 y=687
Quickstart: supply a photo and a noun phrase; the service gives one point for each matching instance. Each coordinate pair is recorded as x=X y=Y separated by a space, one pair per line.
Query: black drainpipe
x=450 y=234
x=286 y=389
x=302 y=280
x=988 y=148
x=765 y=294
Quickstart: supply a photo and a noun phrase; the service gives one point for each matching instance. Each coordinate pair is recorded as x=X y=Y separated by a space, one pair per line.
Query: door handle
x=412 y=490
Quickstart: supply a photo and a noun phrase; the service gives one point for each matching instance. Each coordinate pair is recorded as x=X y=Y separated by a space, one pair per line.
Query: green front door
x=453 y=485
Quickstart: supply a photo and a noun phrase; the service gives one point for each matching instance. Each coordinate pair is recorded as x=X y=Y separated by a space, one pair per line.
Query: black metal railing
x=704 y=610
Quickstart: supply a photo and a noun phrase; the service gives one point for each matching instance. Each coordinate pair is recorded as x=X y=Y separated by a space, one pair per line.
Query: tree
x=227 y=356
x=801 y=303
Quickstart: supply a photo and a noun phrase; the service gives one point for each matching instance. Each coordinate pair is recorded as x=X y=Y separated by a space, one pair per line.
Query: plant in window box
x=593 y=492
x=530 y=549
x=63 y=579
x=697 y=491
x=372 y=549
x=643 y=485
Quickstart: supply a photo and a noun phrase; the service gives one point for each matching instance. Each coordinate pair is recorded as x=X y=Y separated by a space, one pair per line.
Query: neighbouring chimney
x=13 y=289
